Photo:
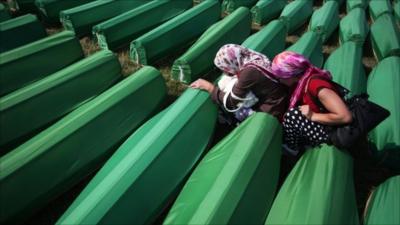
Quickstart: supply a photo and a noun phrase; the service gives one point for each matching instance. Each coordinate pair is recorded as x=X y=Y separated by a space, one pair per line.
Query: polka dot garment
x=300 y=131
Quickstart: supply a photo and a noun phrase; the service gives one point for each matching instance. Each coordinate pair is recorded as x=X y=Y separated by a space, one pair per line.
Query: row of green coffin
x=60 y=156
x=20 y=31
x=24 y=65
x=82 y=18
x=122 y=29
x=50 y=98
x=194 y=115
x=174 y=34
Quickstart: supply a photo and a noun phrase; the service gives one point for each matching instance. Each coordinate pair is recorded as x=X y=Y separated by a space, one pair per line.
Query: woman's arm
x=204 y=85
x=338 y=113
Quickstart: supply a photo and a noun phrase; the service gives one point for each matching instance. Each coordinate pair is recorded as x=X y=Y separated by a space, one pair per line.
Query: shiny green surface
x=144 y=174
x=31 y=62
x=82 y=18
x=296 y=13
x=266 y=10
x=50 y=9
x=352 y=4
x=228 y=6
x=383 y=89
x=26 y=111
x=270 y=40
x=379 y=7
x=310 y=45
x=20 y=31
x=383 y=206
x=235 y=182
x=325 y=20
x=354 y=27
x=174 y=34
x=346 y=67
x=318 y=190
x=121 y=30
x=58 y=158
x=385 y=37
x=199 y=58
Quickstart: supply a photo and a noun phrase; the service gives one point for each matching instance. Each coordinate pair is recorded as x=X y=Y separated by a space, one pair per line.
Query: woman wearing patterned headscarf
x=314 y=105
x=254 y=87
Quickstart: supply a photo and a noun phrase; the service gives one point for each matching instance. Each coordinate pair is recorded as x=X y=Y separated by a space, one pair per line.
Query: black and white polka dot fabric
x=300 y=131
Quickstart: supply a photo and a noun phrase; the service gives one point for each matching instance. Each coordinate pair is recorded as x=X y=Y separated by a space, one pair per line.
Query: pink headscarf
x=232 y=59
x=289 y=64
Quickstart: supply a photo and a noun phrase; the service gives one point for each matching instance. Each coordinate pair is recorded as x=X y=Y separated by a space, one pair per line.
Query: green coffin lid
x=82 y=18
x=346 y=67
x=31 y=62
x=383 y=207
x=384 y=89
x=52 y=97
x=385 y=37
x=198 y=59
x=121 y=30
x=310 y=45
x=379 y=7
x=20 y=31
x=228 y=6
x=351 y=4
x=318 y=190
x=146 y=172
x=50 y=9
x=235 y=182
x=354 y=27
x=325 y=20
x=266 y=10
x=296 y=13
x=174 y=34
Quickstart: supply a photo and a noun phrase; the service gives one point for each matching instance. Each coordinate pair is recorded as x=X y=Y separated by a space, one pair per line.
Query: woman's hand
x=306 y=111
x=203 y=84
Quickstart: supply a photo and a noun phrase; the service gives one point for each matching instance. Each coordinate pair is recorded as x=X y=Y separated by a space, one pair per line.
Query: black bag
x=366 y=116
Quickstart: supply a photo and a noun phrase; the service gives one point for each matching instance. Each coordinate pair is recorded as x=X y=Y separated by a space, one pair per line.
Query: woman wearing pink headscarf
x=314 y=105
x=252 y=81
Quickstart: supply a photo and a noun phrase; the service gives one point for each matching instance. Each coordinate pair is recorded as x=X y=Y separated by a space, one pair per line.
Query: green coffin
x=318 y=190
x=310 y=45
x=296 y=13
x=81 y=19
x=36 y=60
x=146 y=172
x=50 y=9
x=266 y=10
x=174 y=34
x=4 y=14
x=385 y=37
x=199 y=58
x=354 y=27
x=325 y=20
x=270 y=40
x=383 y=206
x=28 y=110
x=235 y=182
x=228 y=6
x=384 y=89
x=379 y=7
x=123 y=29
x=58 y=158
x=351 y=4
x=346 y=67
x=20 y=31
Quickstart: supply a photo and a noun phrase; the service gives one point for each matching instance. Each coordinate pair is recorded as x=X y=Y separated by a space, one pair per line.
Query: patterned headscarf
x=289 y=64
x=233 y=58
